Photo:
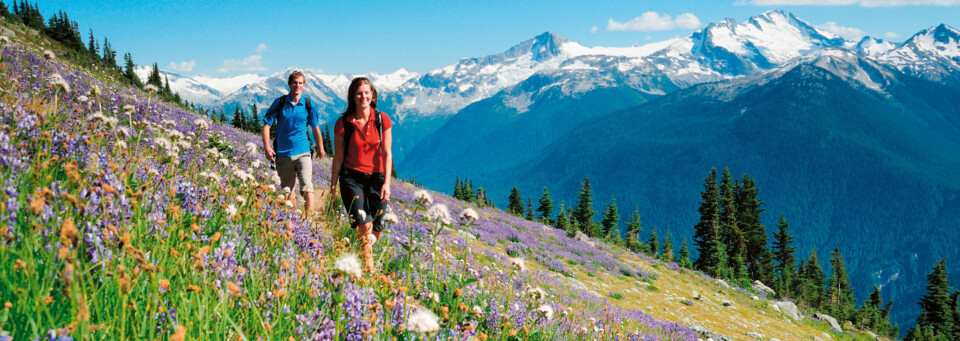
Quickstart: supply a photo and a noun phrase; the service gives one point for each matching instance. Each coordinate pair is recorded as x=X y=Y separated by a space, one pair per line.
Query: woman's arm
x=337 y=162
x=387 y=164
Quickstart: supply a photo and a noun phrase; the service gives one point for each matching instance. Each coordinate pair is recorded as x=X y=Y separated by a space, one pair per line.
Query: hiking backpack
x=283 y=101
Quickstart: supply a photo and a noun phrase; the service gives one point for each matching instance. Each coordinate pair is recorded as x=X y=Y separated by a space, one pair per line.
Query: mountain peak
x=547 y=45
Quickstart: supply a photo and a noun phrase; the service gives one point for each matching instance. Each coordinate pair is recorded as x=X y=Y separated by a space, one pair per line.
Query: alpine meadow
x=756 y=180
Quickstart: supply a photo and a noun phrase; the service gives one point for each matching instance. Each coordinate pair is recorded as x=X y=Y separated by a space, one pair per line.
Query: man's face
x=296 y=86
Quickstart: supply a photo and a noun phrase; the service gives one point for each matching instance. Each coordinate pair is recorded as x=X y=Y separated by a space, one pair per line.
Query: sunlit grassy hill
x=126 y=218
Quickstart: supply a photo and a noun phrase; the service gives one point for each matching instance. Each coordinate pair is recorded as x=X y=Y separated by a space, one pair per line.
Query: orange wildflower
x=180 y=334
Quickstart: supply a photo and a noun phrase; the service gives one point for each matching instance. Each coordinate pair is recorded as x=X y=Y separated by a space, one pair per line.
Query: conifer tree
x=813 y=282
x=633 y=231
x=480 y=198
x=684 y=260
x=129 y=73
x=561 y=222
x=166 y=86
x=256 y=126
x=739 y=273
x=667 y=254
x=937 y=320
x=109 y=55
x=515 y=203
x=93 y=47
x=611 y=217
x=529 y=215
x=328 y=143
x=154 y=77
x=237 y=121
x=546 y=206
x=783 y=252
x=223 y=116
x=759 y=257
x=653 y=244
x=706 y=235
x=457 y=189
x=732 y=237
x=584 y=212
x=840 y=291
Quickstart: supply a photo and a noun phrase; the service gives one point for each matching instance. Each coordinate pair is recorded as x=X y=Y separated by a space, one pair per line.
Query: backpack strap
x=278 y=111
x=349 y=130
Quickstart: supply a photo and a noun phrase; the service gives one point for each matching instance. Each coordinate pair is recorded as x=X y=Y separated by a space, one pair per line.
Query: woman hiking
x=361 y=164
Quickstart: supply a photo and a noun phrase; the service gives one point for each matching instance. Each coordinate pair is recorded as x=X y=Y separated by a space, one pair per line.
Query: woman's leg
x=366 y=239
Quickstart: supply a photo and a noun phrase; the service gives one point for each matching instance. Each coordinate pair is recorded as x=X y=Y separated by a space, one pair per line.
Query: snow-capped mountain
x=873 y=47
x=718 y=51
x=932 y=54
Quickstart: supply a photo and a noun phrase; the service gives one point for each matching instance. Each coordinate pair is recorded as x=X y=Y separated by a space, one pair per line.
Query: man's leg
x=366 y=239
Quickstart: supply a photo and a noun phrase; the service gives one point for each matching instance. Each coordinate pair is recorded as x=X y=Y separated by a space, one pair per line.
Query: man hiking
x=293 y=117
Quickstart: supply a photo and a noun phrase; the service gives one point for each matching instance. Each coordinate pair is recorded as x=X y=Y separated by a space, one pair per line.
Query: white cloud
x=850 y=33
x=891 y=35
x=861 y=3
x=252 y=63
x=186 y=66
x=653 y=21
x=594 y=29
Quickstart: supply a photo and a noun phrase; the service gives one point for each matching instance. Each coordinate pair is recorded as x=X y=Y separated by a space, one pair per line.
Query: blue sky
x=224 y=38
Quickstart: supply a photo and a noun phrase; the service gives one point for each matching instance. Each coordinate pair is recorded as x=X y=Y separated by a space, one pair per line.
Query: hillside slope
x=126 y=218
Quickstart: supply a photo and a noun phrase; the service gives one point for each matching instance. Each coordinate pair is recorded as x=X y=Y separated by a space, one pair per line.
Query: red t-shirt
x=364 y=153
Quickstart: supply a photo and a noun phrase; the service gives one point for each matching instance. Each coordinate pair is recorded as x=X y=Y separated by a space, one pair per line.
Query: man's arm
x=267 y=146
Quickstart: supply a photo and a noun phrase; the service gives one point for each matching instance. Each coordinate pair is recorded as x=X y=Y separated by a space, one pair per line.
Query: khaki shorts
x=295 y=167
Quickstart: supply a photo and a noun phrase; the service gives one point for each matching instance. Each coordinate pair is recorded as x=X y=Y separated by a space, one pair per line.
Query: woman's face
x=363 y=97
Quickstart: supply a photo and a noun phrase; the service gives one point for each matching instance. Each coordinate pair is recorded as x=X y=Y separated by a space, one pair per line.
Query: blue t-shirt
x=291 y=124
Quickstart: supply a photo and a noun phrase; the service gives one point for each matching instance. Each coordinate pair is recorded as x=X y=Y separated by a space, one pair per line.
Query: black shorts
x=361 y=191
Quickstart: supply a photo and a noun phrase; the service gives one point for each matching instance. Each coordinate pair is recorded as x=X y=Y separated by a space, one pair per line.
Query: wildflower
x=348 y=264
x=234 y=289
x=439 y=212
x=83 y=99
x=180 y=334
x=213 y=153
x=546 y=311
x=362 y=214
x=423 y=195
x=434 y=296
x=476 y=311
x=390 y=218
x=128 y=108
x=97 y=116
x=423 y=321
x=49 y=54
x=162 y=143
x=164 y=285
x=255 y=164
x=111 y=121
x=124 y=131
x=201 y=124
x=536 y=293
x=518 y=264
x=469 y=214
x=184 y=144
x=4 y=40
x=151 y=88
x=153 y=172
x=288 y=203
x=251 y=148
x=231 y=210
x=224 y=162
x=122 y=145
x=57 y=80
x=241 y=200
x=169 y=123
